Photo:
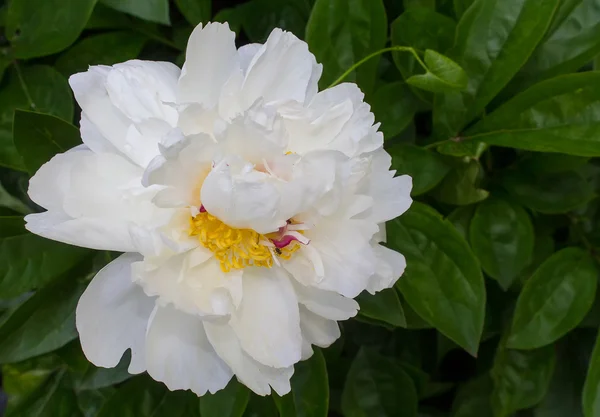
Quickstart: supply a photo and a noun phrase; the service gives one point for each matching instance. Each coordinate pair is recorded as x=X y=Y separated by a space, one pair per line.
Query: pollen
x=239 y=248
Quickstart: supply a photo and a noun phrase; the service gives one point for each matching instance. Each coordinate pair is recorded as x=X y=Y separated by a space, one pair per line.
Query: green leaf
x=521 y=378
x=553 y=193
x=572 y=41
x=382 y=307
x=546 y=163
x=473 y=398
x=461 y=219
x=420 y=28
x=229 y=402
x=96 y=378
x=310 y=390
x=261 y=407
x=376 y=385
x=152 y=10
x=554 y=300
x=195 y=11
x=460 y=187
x=106 y=49
x=91 y=401
x=394 y=106
x=259 y=17
x=494 y=38
x=38 y=28
x=425 y=167
x=557 y=115
x=342 y=32
x=461 y=6
x=28 y=261
x=12 y=203
x=40 y=88
x=501 y=235
x=42 y=324
x=103 y=17
x=38 y=137
x=442 y=281
x=591 y=388
x=443 y=75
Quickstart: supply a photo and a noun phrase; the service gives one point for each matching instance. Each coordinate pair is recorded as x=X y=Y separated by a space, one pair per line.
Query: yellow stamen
x=236 y=248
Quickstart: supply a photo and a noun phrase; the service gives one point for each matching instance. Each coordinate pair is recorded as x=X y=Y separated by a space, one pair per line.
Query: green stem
x=376 y=53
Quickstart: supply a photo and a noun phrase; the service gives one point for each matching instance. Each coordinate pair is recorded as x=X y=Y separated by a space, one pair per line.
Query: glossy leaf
x=152 y=10
x=473 y=398
x=461 y=219
x=557 y=115
x=425 y=167
x=229 y=402
x=394 y=106
x=96 y=378
x=461 y=6
x=42 y=324
x=106 y=49
x=47 y=92
x=195 y=11
x=553 y=193
x=310 y=390
x=10 y=202
x=443 y=74
x=545 y=163
x=493 y=40
x=460 y=186
x=259 y=17
x=382 y=307
x=442 y=281
x=38 y=137
x=28 y=261
x=521 y=378
x=376 y=385
x=501 y=235
x=34 y=28
x=591 y=388
x=342 y=32
x=554 y=300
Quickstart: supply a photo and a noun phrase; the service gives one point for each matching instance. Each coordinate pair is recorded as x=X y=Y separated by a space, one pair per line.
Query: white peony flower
x=250 y=208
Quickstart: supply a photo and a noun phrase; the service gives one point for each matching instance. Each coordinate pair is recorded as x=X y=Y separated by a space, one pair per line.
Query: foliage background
x=495 y=112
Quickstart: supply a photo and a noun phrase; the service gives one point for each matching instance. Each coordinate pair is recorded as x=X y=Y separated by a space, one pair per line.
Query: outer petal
x=211 y=58
x=259 y=378
x=179 y=354
x=112 y=316
x=283 y=69
x=93 y=200
x=267 y=322
x=327 y=304
x=317 y=330
x=390 y=267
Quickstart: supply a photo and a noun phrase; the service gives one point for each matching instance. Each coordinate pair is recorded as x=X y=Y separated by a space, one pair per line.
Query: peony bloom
x=249 y=207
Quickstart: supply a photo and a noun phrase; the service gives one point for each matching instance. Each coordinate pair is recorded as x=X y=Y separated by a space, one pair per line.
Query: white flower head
x=250 y=208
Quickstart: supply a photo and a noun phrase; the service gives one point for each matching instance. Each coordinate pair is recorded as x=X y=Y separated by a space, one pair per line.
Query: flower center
x=239 y=248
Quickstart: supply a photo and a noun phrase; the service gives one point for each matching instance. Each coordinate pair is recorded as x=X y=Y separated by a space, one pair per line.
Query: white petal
x=318 y=330
x=211 y=58
x=93 y=137
x=283 y=69
x=179 y=354
x=390 y=266
x=267 y=322
x=254 y=375
x=247 y=53
x=112 y=316
x=327 y=304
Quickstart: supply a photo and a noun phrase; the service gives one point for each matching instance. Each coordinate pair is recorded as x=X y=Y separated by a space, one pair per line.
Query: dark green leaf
x=473 y=398
x=501 y=235
x=461 y=6
x=460 y=186
x=91 y=401
x=557 y=115
x=425 y=167
x=38 y=137
x=493 y=40
x=553 y=193
x=442 y=281
x=229 y=402
x=152 y=10
x=96 y=378
x=443 y=75
x=342 y=32
x=394 y=106
x=106 y=49
x=554 y=300
x=10 y=202
x=38 y=28
x=259 y=17
x=195 y=11
x=42 y=324
x=461 y=219
x=28 y=261
x=261 y=407
x=545 y=163
x=378 y=386
x=591 y=388
x=521 y=378
x=104 y=17
x=40 y=88
x=382 y=307
x=310 y=390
